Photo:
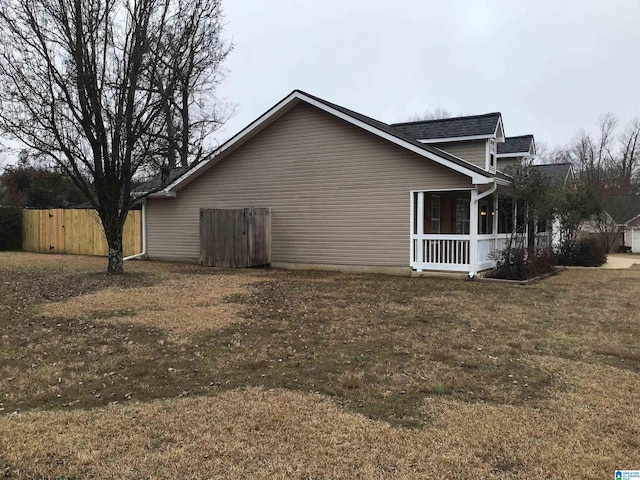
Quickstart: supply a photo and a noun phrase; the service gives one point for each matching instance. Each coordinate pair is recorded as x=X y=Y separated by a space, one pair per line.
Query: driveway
x=621 y=261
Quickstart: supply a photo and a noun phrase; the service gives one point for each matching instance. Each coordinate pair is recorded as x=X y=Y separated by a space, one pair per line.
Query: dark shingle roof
x=450 y=127
x=555 y=173
x=520 y=144
x=396 y=133
x=622 y=208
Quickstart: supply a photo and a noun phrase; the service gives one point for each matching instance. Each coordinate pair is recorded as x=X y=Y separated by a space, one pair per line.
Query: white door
x=635 y=240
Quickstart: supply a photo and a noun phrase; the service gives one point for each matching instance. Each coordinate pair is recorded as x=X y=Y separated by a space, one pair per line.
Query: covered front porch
x=460 y=230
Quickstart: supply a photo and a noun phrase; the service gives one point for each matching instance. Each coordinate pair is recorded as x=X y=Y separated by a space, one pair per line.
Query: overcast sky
x=551 y=66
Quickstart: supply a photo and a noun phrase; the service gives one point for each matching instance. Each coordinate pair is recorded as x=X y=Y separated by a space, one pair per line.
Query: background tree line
x=608 y=161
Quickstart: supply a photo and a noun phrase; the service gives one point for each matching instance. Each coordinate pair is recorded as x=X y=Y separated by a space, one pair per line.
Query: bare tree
x=548 y=155
x=608 y=166
x=437 y=114
x=96 y=86
x=190 y=58
x=592 y=157
x=608 y=161
x=626 y=164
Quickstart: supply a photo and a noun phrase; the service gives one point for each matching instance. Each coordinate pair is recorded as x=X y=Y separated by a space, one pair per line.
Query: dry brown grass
x=283 y=434
x=315 y=375
x=184 y=304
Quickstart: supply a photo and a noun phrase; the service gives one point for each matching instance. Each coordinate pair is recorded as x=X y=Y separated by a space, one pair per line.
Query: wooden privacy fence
x=235 y=238
x=76 y=231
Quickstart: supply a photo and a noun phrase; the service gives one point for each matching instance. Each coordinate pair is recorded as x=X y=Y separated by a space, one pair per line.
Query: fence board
x=75 y=231
x=258 y=236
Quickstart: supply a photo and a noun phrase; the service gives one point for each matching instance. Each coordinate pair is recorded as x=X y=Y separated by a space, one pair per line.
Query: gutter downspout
x=474 y=236
x=144 y=234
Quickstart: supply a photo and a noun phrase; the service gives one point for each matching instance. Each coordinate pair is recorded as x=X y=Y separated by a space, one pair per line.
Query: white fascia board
x=499 y=128
x=257 y=124
x=517 y=154
x=502 y=181
x=455 y=139
x=163 y=194
x=498 y=181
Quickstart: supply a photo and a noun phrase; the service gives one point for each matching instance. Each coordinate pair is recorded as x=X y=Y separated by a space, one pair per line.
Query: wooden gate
x=236 y=238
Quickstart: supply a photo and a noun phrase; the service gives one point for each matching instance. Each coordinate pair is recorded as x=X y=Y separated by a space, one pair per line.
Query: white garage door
x=635 y=240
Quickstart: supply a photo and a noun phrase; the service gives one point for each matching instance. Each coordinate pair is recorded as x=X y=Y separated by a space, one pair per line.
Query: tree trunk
x=116 y=264
x=113 y=232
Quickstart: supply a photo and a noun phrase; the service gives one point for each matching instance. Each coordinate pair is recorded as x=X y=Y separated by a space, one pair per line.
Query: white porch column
x=420 y=230
x=495 y=221
x=473 y=232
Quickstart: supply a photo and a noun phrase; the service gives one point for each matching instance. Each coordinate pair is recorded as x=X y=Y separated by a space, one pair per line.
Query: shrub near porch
x=492 y=381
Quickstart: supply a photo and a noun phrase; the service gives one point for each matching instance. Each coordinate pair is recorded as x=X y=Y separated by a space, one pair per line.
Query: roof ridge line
x=446 y=119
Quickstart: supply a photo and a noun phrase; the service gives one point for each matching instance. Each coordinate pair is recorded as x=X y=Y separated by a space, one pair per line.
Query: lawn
x=179 y=371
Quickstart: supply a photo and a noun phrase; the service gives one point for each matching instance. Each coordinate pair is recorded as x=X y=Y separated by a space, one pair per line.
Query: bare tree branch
x=108 y=89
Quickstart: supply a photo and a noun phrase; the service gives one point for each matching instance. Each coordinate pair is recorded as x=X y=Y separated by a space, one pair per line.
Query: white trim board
x=517 y=154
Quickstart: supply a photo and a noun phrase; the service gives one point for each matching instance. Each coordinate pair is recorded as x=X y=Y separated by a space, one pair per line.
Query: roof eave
x=515 y=154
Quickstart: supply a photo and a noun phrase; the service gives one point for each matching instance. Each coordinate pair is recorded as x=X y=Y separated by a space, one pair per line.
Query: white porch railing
x=453 y=252
x=487 y=246
x=440 y=252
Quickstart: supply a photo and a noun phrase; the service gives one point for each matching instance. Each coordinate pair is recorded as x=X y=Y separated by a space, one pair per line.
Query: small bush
x=10 y=228
x=523 y=263
x=585 y=253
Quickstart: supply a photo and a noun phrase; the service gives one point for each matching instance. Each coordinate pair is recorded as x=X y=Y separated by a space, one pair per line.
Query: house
x=349 y=192
x=559 y=176
x=519 y=150
x=619 y=226
x=631 y=234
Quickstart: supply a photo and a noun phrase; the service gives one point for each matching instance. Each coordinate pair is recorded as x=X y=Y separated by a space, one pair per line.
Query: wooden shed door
x=236 y=238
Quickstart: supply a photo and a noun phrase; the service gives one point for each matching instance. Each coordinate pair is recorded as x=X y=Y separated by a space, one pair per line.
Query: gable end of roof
x=383 y=130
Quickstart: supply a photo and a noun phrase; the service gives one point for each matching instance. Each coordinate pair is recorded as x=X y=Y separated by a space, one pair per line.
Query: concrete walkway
x=621 y=261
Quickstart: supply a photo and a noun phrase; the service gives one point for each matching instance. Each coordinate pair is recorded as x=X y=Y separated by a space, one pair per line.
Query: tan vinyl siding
x=473 y=151
x=339 y=195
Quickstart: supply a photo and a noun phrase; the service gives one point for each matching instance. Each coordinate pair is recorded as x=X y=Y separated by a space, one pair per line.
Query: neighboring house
x=620 y=224
x=631 y=233
x=349 y=192
x=559 y=176
x=624 y=210
x=519 y=150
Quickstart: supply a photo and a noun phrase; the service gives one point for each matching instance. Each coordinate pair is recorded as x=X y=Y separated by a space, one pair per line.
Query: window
x=435 y=214
x=485 y=213
x=541 y=227
x=507 y=212
x=462 y=216
x=521 y=216
x=505 y=215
